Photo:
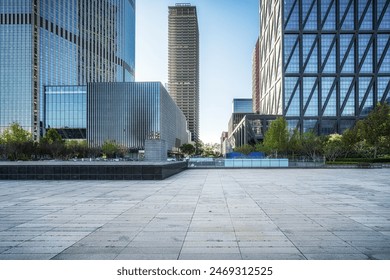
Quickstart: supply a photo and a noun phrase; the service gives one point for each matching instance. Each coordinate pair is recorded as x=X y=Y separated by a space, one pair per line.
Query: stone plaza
x=279 y=214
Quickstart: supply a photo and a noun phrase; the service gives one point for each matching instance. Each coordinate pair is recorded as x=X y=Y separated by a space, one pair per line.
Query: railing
x=255 y=163
x=237 y=163
x=308 y=163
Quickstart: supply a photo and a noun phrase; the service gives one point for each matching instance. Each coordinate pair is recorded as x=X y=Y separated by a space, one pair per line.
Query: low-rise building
x=128 y=113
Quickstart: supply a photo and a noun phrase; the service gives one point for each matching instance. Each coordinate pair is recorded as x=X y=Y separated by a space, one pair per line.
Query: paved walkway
x=201 y=214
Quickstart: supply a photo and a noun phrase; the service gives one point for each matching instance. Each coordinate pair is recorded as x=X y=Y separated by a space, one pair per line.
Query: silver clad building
x=130 y=113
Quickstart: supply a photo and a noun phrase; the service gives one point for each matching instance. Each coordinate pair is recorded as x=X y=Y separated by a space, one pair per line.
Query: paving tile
x=209 y=256
x=211 y=250
x=210 y=236
x=147 y=257
x=93 y=250
x=151 y=250
x=272 y=256
x=201 y=214
x=266 y=243
x=339 y=256
x=34 y=250
x=89 y=256
x=209 y=244
x=26 y=256
x=4 y=248
x=269 y=250
x=328 y=250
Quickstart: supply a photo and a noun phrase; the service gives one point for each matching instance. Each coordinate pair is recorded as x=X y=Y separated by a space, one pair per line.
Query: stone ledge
x=86 y=171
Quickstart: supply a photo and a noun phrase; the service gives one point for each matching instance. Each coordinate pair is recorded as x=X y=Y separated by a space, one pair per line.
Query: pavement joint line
x=275 y=223
x=230 y=216
x=96 y=228
x=155 y=215
x=192 y=216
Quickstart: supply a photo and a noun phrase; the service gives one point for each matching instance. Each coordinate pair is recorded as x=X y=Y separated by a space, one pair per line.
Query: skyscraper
x=323 y=64
x=183 y=63
x=53 y=42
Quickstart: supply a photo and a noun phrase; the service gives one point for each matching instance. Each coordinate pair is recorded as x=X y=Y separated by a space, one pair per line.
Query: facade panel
x=15 y=75
x=130 y=113
x=270 y=44
x=66 y=110
x=256 y=78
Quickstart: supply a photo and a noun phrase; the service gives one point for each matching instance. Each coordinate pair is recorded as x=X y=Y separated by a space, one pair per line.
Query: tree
x=333 y=147
x=211 y=150
x=349 y=140
x=245 y=149
x=375 y=129
x=259 y=147
x=276 y=137
x=53 y=144
x=52 y=136
x=77 y=149
x=110 y=149
x=295 y=143
x=198 y=147
x=187 y=149
x=363 y=149
x=16 y=134
x=311 y=144
x=17 y=143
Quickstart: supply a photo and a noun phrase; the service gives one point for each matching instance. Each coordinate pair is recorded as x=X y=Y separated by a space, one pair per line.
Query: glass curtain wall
x=52 y=42
x=336 y=61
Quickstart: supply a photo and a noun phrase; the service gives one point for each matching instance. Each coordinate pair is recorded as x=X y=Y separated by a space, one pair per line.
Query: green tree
x=53 y=145
x=15 y=134
x=198 y=148
x=295 y=143
x=259 y=147
x=363 y=149
x=110 y=149
x=375 y=129
x=245 y=149
x=276 y=137
x=333 y=147
x=311 y=144
x=187 y=149
x=349 y=140
x=77 y=149
x=52 y=136
x=211 y=150
x=17 y=143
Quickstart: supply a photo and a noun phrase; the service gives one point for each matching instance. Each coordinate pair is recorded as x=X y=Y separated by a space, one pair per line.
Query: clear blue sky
x=228 y=33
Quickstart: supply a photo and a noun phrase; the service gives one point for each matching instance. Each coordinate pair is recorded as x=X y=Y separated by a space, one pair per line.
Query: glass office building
x=130 y=113
x=53 y=42
x=324 y=64
x=66 y=110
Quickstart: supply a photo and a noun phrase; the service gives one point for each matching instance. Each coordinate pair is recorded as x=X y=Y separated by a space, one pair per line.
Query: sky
x=228 y=30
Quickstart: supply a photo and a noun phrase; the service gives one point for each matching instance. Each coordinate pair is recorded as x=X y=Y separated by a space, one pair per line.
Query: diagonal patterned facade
x=335 y=58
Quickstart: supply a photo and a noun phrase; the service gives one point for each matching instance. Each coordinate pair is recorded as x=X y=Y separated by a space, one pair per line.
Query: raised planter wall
x=89 y=171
